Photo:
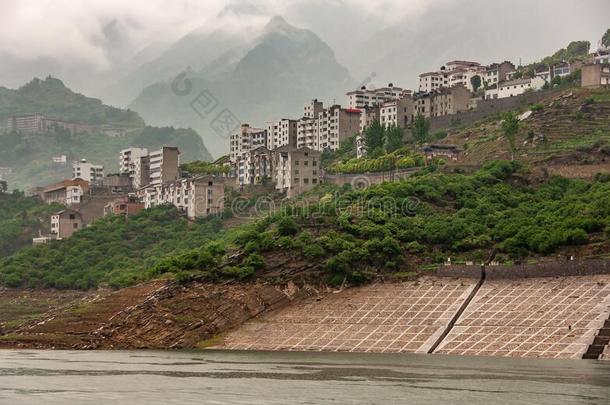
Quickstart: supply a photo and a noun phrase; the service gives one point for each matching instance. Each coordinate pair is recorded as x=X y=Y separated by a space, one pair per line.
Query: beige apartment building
x=282 y=132
x=87 y=171
x=246 y=139
x=398 y=113
x=135 y=163
x=336 y=124
x=444 y=101
x=596 y=75
x=254 y=167
x=296 y=170
x=364 y=97
x=368 y=116
x=67 y=192
x=196 y=197
x=306 y=126
x=163 y=165
x=65 y=223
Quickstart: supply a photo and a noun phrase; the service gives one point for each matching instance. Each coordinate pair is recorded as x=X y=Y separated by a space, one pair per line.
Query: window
x=75 y=225
x=306 y=163
x=72 y=216
x=314 y=181
x=306 y=181
x=296 y=162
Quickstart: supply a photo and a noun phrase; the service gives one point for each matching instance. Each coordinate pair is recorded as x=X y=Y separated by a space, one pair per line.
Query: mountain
x=30 y=156
x=51 y=97
x=271 y=78
x=194 y=51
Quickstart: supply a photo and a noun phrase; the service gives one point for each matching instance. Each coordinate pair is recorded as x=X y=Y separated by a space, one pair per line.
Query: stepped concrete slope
x=398 y=317
x=537 y=317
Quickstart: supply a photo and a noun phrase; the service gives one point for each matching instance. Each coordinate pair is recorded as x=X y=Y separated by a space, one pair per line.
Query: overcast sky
x=71 y=37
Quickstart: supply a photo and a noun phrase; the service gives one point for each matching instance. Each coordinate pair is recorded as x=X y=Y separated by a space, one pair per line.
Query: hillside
x=269 y=79
x=21 y=218
x=388 y=230
x=51 y=97
x=30 y=155
x=567 y=132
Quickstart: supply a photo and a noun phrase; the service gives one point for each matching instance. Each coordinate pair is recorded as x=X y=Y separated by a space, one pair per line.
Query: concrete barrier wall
x=487 y=108
x=459 y=271
x=547 y=269
x=550 y=269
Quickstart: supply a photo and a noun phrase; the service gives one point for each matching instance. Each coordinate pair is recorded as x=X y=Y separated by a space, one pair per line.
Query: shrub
x=287 y=227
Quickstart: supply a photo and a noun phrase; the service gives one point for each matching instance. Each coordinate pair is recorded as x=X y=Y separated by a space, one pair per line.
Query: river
x=220 y=377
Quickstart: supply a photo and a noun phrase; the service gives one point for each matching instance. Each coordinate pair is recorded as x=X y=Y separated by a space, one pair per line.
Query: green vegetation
x=476 y=82
x=391 y=228
x=574 y=50
x=606 y=38
x=202 y=167
x=50 y=97
x=374 y=137
x=21 y=218
x=421 y=129
x=30 y=155
x=394 y=227
x=111 y=250
x=510 y=127
x=399 y=159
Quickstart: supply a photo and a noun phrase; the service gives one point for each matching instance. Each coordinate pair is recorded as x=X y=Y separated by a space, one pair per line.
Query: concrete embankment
x=551 y=310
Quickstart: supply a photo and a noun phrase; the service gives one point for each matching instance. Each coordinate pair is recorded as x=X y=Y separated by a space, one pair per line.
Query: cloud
x=97 y=33
x=91 y=32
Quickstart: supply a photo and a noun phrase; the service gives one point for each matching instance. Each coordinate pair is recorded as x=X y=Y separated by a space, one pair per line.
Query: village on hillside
x=286 y=154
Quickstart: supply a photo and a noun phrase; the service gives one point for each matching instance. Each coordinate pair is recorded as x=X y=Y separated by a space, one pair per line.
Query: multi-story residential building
x=65 y=223
x=246 y=139
x=398 y=113
x=368 y=116
x=596 y=75
x=307 y=134
x=135 y=162
x=313 y=109
x=38 y=123
x=444 y=101
x=126 y=206
x=163 y=165
x=255 y=167
x=431 y=81
x=296 y=170
x=197 y=197
x=498 y=72
x=364 y=97
x=87 y=171
x=67 y=192
x=561 y=69
x=519 y=86
x=282 y=132
x=336 y=124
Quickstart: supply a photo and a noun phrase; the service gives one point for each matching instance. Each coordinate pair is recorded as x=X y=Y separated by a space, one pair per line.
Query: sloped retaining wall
x=546 y=269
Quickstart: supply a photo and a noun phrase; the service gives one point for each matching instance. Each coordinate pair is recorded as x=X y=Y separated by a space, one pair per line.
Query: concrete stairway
x=601 y=341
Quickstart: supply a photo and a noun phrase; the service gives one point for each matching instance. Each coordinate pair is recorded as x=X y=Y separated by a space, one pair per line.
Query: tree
x=373 y=137
x=606 y=38
x=510 y=126
x=393 y=138
x=476 y=82
x=3 y=186
x=421 y=129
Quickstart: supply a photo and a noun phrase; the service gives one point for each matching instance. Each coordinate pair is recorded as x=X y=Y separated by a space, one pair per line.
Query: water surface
x=220 y=377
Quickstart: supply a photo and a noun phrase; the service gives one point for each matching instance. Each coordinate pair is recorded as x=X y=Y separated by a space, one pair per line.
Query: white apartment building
x=163 y=165
x=454 y=73
x=87 y=171
x=296 y=170
x=519 y=86
x=246 y=139
x=282 y=132
x=368 y=116
x=196 y=197
x=135 y=163
x=398 y=113
x=255 y=166
x=336 y=124
x=313 y=108
x=307 y=134
x=364 y=97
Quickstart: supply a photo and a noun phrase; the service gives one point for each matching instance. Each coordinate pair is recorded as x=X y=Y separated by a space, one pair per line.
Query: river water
x=220 y=377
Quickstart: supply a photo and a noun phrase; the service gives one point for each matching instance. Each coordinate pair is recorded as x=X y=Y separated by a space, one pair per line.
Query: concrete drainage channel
x=459 y=313
x=600 y=342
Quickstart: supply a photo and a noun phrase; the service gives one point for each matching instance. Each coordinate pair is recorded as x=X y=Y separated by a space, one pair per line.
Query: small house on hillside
x=65 y=223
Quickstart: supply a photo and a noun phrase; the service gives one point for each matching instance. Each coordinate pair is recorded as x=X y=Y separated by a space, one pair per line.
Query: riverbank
x=552 y=310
